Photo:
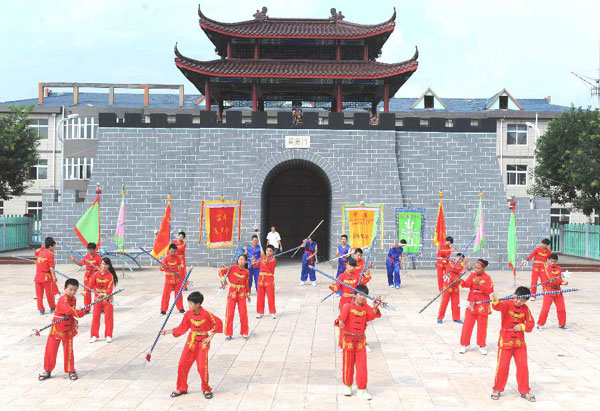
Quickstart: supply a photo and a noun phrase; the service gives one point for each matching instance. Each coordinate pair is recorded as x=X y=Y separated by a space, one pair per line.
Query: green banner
x=411 y=227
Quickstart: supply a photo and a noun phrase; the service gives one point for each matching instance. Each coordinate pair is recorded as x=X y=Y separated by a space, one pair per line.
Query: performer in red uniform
x=238 y=294
x=203 y=325
x=516 y=321
x=443 y=254
x=172 y=282
x=90 y=269
x=554 y=272
x=353 y=321
x=181 y=246
x=63 y=332
x=266 y=283
x=103 y=282
x=453 y=271
x=481 y=286
x=44 y=275
x=540 y=256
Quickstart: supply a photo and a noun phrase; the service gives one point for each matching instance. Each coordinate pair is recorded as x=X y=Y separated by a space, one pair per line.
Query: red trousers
x=108 y=319
x=199 y=354
x=440 y=268
x=87 y=295
x=559 y=301
x=230 y=311
x=446 y=297
x=52 y=349
x=467 y=330
x=343 y=302
x=40 y=289
x=355 y=355
x=260 y=298
x=166 y=296
x=536 y=271
x=503 y=365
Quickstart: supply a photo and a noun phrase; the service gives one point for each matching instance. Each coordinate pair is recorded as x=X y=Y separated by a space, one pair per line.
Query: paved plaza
x=293 y=362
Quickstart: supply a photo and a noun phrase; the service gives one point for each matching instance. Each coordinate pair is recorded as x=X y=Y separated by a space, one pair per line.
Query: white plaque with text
x=297 y=141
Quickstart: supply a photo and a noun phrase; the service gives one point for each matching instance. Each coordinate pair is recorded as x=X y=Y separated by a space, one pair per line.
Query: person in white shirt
x=274 y=239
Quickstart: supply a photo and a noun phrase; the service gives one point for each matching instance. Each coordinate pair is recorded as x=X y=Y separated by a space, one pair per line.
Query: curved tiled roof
x=297 y=28
x=338 y=69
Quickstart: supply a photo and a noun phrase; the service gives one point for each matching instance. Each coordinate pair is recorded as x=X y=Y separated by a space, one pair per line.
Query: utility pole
x=594 y=83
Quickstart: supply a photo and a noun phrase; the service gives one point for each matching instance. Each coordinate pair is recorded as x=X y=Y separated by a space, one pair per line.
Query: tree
x=568 y=156
x=18 y=151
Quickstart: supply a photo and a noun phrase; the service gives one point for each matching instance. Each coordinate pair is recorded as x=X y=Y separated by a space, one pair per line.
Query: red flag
x=163 y=238
x=440 y=224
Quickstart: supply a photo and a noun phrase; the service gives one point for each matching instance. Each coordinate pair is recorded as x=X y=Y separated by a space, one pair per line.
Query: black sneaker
x=182 y=311
x=163 y=312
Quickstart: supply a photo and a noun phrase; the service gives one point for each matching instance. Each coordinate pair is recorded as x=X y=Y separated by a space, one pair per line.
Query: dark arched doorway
x=296 y=195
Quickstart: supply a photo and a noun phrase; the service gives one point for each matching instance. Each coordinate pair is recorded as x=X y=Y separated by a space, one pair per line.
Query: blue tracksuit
x=253 y=252
x=309 y=248
x=342 y=261
x=392 y=264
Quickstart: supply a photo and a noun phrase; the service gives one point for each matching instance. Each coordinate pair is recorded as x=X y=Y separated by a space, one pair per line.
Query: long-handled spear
x=81 y=284
x=383 y=303
x=149 y=355
x=37 y=332
x=164 y=265
x=308 y=236
x=516 y=297
x=343 y=255
x=276 y=255
x=566 y=274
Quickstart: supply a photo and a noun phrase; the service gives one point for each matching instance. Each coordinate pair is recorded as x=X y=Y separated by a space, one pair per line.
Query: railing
x=581 y=240
x=19 y=232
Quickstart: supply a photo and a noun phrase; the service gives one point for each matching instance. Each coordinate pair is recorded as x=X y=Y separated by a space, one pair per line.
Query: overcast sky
x=468 y=48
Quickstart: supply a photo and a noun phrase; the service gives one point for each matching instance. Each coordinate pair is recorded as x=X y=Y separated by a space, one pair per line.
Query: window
x=516 y=134
x=78 y=168
x=557 y=213
x=81 y=128
x=474 y=123
x=516 y=175
x=449 y=123
x=428 y=101
x=34 y=208
x=424 y=122
x=40 y=126
x=503 y=102
x=399 y=122
x=1 y=207
x=39 y=171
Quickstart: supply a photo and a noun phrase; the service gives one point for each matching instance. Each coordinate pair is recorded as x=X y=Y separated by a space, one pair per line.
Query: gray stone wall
x=362 y=165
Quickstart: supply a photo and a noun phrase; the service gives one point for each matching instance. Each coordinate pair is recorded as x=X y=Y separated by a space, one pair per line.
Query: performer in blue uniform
x=253 y=251
x=308 y=258
x=392 y=263
x=342 y=249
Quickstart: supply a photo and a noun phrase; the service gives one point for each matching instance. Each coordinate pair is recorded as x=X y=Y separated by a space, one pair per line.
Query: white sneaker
x=314 y=283
x=259 y=316
x=540 y=327
x=93 y=340
x=364 y=394
x=245 y=337
x=482 y=351
x=391 y=285
x=108 y=339
x=347 y=390
x=341 y=349
x=462 y=350
x=301 y=283
x=369 y=349
x=273 y=316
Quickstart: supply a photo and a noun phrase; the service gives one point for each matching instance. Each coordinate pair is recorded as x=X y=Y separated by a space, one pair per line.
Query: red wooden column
x=386 y=98
x=254 y=96
x=256 y=49
x=366 y=52
x=207 y=94
x=338 y=99
x=338 y=51
x=229 y=51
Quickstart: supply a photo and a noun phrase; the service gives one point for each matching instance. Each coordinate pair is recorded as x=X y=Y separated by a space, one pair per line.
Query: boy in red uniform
x=63 y=331
x=181 y=245
x=540 y=256
x=554 y=272
x=44 y=275
x=238 y=294
x=103 y=283
x=266 y=283
x=516 y=321
x=353 y=321
x=443 y=254
x=453 y=271
x=481 y=286
x=92 y=262
x=172 y=282
x=203 y=325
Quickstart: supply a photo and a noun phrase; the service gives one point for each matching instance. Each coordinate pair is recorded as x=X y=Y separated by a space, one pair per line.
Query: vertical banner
x=362 y=220
x=219 y=217
x=411 y=227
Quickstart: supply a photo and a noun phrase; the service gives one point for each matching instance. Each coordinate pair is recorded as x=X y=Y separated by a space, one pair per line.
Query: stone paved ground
x=292 y=362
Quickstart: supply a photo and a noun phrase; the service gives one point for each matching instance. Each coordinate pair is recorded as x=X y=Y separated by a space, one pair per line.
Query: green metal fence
x=19 y=232
x=581 y=240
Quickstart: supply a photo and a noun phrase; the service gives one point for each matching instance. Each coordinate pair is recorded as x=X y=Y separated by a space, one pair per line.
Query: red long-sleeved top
x=200 y=323
x=355 y=317
x=351 y=278
x=66 y=306
x=479 y=292
x=238 y=280
x=175 y=264
x=453 y=271
x=181 y=246
x=267 y=271
x=554 y=273
x=102 y=283
x=43 y=264
x=511 y=316
x=539 y=255
x=95 y=260
x=443 y=253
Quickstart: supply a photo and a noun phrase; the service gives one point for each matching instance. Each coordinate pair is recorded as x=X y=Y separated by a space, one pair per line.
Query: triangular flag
x=479 y=227
x=163 y=238
x=511 y=244
x=440 y=225
x=88 y=226
x=120 y=230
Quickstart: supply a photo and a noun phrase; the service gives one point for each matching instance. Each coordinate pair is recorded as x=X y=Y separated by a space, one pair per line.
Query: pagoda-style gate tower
x=276 y=59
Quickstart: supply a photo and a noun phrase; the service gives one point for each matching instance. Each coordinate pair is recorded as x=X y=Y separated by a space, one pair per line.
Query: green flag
x=479 y=227
x=88 y=226
x=511 y=245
